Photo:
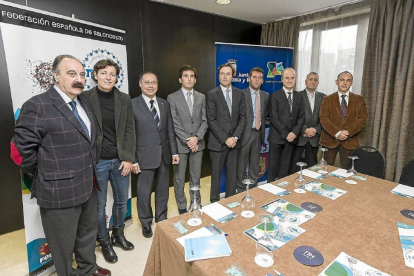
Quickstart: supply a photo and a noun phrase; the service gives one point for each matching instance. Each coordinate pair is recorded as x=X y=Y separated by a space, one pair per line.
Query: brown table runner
x=362 y=223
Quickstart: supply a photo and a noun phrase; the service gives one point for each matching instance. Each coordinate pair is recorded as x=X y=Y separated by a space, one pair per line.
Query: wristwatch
x=236 y=138
x=198 y=138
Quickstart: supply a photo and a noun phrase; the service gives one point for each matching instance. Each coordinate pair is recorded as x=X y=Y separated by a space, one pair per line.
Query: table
x=361 y=223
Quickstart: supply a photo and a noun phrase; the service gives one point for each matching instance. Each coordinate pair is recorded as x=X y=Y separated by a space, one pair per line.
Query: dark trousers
x=310 y=157
x=72 y=230
x=218 y=159
x=330 y=156
x=249 y=155
x=279 y=160
x=144 y=190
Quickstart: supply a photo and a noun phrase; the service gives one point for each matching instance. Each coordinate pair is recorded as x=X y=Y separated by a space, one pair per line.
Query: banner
x=32 y=39
x=245 y=57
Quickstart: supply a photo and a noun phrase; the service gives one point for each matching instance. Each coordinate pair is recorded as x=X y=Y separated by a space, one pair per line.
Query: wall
x=159 y=37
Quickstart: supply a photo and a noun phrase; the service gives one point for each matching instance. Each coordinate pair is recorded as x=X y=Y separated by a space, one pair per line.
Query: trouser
x=71 y=231
x=279 y=160
x=330 y=156
x=310 y=157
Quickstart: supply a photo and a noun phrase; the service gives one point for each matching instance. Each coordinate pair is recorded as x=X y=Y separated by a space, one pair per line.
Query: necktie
x=257 y=113
x=75 y=112
x=290 y=101
x=155 y=114
x=189 y=103
x=344 y=106
x=228 y=99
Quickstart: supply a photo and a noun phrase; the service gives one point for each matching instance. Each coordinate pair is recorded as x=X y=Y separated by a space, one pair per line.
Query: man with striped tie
x=156 y=150
x=287 y=116
x=343 y=115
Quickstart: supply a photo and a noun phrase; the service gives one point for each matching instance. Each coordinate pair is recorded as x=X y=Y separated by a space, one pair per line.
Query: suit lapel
x=143 y=106
x=223 y=100
x=118 y=107
x=63 y=108
x=162 y=115
x=336 y=104
x=183 y=101
x=91 y=119
x=306 y=101
x=248 y=98
x=351 y=102
x=318 y=102
x=94 y=101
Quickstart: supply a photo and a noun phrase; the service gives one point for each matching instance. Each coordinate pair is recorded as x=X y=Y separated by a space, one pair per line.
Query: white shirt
x=79 y=107
x=286 y=93
x=311 y=98
x=147 y=101
x=225 y=93
x=191 y=95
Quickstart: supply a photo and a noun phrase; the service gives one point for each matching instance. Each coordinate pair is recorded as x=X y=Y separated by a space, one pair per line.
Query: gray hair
x=58 y=59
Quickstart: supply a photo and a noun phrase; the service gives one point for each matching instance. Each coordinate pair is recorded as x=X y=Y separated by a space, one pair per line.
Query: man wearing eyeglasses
x=343 y=115
x=253 y=135
x=226 y=120
x=156 y=150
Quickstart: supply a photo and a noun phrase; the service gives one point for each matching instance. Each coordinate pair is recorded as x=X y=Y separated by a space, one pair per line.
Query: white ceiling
x=258 y=11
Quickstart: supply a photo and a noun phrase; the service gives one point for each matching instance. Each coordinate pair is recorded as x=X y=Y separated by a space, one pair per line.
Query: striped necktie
x=155 y=114
x=290 y=101
x=82 y=123
x=344 y=106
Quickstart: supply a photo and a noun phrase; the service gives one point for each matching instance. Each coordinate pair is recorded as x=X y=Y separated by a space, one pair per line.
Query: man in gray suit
x=226 y=118
x=254 y=130
x=188 y=110
x=311 y=130
x=156 y=150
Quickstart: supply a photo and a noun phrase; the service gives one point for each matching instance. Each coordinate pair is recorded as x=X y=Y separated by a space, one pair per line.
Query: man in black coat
x=287 y=115
x=226 y=119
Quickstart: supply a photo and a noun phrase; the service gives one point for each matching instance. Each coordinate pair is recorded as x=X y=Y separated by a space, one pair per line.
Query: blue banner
x=245 y=57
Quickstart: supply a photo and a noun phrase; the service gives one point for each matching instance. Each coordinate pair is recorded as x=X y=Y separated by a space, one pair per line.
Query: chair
x=407 y=175
x=371 y=161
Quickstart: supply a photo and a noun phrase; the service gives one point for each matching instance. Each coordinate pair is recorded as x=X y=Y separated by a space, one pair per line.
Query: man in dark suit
x=311 y=130
x=226 y=119
x=54 y=145
x=156 y=150
x=254 y=130
x=188 y=110
x=343 y=115
x=287 y=115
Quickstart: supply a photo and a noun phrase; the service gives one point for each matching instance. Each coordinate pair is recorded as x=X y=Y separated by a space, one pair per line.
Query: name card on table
x=311 y=174
x=403 y=190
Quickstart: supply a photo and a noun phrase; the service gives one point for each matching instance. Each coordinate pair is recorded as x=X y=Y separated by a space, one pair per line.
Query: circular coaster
x=311 y=207
x=247 y=214
x=352 y=182
x=408 y=213
x=308 y=256
x=322 y=172
x=264 y=260
x=299 y=191
x=194 y=221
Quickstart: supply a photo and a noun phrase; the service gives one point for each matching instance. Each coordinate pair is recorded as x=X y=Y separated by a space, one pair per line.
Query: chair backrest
x=371 y=161
x=407 y=175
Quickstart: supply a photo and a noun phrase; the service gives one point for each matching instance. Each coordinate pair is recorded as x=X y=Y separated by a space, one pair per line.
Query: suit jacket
x=311 y=119
x=185 y=124
x=222 y=124
x=153 y=143
x=264 y=103
x=331 y=120
x=51 y=147
x=282 y=122
x=124 y=123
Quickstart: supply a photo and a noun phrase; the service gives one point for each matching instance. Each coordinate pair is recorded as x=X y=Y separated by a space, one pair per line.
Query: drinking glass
x=195 y=210
x=264 y=257
x=352 y=170
x=300 y=180
x=247 y=202
x=322 y=163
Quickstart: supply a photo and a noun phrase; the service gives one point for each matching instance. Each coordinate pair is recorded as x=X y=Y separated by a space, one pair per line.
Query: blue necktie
x=228 y=99
x=75 y=112
x=155 y=114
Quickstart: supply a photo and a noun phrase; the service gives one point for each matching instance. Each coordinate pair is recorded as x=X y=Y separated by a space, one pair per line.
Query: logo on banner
x=92 y=58
x=38 y=73
x=275 y=69
x=233 y=63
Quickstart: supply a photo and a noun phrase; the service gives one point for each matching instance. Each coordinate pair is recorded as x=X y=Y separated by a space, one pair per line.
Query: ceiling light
x=223 y=2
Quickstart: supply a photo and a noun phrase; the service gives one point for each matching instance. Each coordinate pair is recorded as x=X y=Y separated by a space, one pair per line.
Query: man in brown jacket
x=343 y=115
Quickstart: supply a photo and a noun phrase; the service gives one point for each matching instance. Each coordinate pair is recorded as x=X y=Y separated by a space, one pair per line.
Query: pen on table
x=218 y=230
x=277 y=272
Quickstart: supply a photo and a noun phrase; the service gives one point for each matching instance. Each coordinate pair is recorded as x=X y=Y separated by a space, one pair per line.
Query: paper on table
x=218 y=212
x=311 y=174
x=202 y=232
x=206 y=248
x=407 y=242
x=403 y=190
x=339 y=173
x=273 y=189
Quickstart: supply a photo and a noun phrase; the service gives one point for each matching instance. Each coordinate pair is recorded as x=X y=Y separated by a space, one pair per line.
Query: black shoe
x=147 y=232
x=107 y=250
x=119 y=240
x=182 y=211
